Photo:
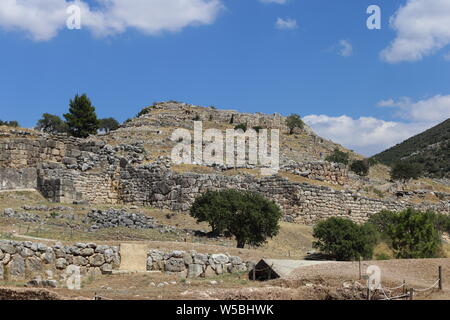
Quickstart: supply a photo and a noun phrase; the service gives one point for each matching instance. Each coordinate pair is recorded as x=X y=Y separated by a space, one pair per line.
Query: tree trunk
x=240 y=243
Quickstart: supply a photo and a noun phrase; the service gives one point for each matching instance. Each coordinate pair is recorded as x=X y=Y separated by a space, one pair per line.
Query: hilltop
x=431 y=149
x=153 y=127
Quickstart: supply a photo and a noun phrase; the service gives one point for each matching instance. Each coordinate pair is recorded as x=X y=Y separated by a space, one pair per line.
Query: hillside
x=153 y=127
x=431 y=149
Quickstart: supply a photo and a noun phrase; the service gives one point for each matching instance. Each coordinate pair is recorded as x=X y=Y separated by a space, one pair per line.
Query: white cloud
x=433 y=110
x=345 y=48
x=366 y=135
x=43 y=19
x=286 y=24
x=369 y=135
x=422 y=26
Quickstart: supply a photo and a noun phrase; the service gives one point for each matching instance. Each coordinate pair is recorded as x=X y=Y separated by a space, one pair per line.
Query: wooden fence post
x=440 y=277
x=411 y=294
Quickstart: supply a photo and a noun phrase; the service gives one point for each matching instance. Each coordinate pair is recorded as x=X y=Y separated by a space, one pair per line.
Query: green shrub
x=414 y=235
x=12 y=123
x=248 y=216
x=51 y=124
x=360 y=167
x=344 y=239
x=404 y=171
x=241 y=126
x=338 y=157
x=257 y=128
x=294 y=121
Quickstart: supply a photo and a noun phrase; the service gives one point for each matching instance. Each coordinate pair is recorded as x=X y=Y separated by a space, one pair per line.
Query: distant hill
x=431 y=149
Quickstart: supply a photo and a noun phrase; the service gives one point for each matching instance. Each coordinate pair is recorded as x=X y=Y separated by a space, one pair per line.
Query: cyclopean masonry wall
x=66 y=169
x=27 y=260
x=192 y=264
x=157 y=186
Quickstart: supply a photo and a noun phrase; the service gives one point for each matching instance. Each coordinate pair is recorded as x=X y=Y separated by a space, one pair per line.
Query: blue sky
x=367 y=89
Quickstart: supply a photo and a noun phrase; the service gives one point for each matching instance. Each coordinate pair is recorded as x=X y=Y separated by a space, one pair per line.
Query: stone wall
x=29 y=260
x=26 y=260
x=67 y=169
x=159 y=187
x=192 y=264
x=334 y=173
x=11 y=178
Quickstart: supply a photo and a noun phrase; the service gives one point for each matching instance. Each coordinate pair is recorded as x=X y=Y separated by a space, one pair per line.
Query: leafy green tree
x=344 y=239
x=414 y=235
x=404 y=171
x=81 y=120
x=383 y=220
x=294 y=121
x=360 y=167
x=51 y=124
x=108 y=124
x=248 y=216
x=338 y=157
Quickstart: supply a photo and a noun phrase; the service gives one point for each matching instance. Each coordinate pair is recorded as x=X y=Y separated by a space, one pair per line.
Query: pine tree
x=81 y=119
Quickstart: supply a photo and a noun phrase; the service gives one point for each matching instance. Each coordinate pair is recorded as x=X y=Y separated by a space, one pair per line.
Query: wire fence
x=394 y=293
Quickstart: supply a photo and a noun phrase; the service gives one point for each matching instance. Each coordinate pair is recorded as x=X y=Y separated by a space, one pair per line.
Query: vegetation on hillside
x=339 y=156
x=81 y=119
x=108 y=124
x=51 y=123
x=294 y=121
x=409 y=234
x=248 y=216
x=430 y=149
x=344 y=239
x=404 y=171
x=12 y=123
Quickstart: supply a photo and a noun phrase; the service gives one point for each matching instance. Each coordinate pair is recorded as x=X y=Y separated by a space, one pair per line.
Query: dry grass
x=296 y=178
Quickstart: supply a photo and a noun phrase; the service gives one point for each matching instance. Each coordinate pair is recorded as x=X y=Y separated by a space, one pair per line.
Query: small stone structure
x=192 y=264
x=24 y=260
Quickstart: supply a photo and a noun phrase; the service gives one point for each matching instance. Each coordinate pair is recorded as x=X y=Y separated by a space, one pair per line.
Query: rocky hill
x=431 y=149
x=154 y=125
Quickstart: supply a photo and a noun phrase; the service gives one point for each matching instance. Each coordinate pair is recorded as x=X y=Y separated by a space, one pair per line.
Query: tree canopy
x=294 y=121
x=339 y=156
x=51 y=124
x=108 y=124
x=81 y=119
x=405 y=171
x=344 y=239
x=248 y=216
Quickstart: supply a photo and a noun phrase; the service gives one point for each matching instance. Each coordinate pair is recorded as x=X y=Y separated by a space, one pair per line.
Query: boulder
x=106 y=268
x=16 y=267
x=109 y=255
x=200 y=258
x=86 y=252
x=7 y=247
x=61 y=263
x=174 y=265
x=149 y=263
x=33 y=264
x=48 y=257
x=195 y=270
x=96 y=260
x=220 y=258
x=79 y=261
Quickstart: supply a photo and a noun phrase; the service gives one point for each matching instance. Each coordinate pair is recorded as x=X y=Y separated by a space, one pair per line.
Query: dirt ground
x=331 y=281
